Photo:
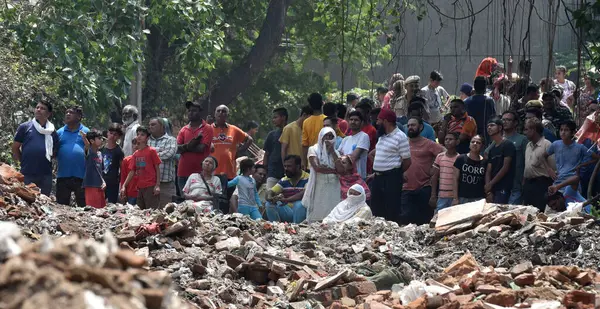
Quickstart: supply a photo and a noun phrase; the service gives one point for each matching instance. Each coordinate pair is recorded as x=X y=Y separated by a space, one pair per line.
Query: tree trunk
x=230 y=86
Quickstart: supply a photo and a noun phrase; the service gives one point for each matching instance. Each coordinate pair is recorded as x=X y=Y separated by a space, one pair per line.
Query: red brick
x=525 y=279
x=578 y=299
x=505 y=299
x=361 y=288
x=300 y=274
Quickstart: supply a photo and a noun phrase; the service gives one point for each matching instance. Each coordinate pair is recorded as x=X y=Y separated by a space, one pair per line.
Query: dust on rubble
x=475 y=255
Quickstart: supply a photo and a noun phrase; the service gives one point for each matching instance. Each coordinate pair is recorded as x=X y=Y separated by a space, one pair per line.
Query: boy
x=131 y=191
x=93 y=183
x=145 y=165
x=443 y=174
x=112 y=155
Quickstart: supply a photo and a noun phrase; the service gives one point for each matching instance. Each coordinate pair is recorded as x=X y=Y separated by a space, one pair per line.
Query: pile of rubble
x=474 y=255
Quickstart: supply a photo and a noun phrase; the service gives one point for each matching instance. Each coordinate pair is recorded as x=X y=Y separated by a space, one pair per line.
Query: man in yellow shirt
x=291 y=136
x=312 y=125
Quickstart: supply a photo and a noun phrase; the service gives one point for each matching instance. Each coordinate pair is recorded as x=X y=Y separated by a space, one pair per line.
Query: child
x=93 y=183
x=443 y=174
x=112 y=155
x=131 y=191
x=145 y=165
x=248 y=199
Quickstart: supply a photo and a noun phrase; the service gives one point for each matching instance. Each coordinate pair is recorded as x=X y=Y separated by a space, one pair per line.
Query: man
x=193 y=143
x=536 y=113
x=272 y=147
x=536 y=175
x=436 y=97
x=381 y=92
x=532 y=93
x=71 y=159
x=112 y=156
x=130 y=120
x=555 y=113
x=352 y=99
x=416 y=109
x=312 y=125
x=481 y=107
x=166 y=147
x=500 y=171
x=568 y=86
x=260 y=177
x=342 y=112
x=365 y=109
x=291 y=136
x=458 y=121
x=466 y=91
x=251 y=130
x=416 y=191
x=569 y=155
x=284 y=200
x=510 y=123
x=34 y=146
x=391 y=160
x=357 y=144
x=226 y=138
x=411 y=84
x=330 y=111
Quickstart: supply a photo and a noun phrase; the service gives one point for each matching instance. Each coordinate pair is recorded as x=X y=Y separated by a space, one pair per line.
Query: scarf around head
x=347 y=208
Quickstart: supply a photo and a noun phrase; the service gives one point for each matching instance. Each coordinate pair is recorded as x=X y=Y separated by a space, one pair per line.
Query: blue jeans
x=44 y=182
x=464 y=200
x=284 y=213
x=501 y=196
x=132 y=200
x=251 y=211
x=443 y=202
x=516 y=197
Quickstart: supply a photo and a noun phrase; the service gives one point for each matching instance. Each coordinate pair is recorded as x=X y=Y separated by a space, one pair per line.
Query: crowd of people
x=403 y=155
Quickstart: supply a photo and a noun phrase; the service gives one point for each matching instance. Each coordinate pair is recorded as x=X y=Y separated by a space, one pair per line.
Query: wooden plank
x=288 y=261
x=460 y=213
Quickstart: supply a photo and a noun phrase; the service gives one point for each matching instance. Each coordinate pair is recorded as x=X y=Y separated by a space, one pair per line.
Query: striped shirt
x=286 y=187
x=446 y=180
x=166 y=147
x=390 y=150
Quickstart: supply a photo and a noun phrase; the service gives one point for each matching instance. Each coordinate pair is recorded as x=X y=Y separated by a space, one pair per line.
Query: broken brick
x=361 y=288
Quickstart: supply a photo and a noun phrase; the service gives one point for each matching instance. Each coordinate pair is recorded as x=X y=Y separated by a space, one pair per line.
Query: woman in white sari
x=354 y=208
x=196 y=191
x=322 y=191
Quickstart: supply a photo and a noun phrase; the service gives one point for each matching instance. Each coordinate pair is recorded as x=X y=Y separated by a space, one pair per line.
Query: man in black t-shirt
x=500 y=172
x=112 y=156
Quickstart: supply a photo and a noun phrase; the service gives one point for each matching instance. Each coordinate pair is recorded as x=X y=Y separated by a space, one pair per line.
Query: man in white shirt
x=436 y=97
x=356 y=145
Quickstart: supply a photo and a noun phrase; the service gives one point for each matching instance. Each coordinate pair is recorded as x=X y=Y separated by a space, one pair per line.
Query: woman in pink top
x=443 y=174
x=349 y=176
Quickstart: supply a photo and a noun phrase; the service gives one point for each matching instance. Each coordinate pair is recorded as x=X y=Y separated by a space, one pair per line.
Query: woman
x=501 y=100
x=322 y=191
x=352 y=209
x=469 y=172
x=587 y=96
x=200 y=188
x=349 y=176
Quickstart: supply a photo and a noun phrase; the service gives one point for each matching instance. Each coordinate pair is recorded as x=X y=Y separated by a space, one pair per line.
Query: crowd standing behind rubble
x=414 y=155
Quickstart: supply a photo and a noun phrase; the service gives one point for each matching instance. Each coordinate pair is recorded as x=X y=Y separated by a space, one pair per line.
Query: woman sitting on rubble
x=349 y=176
x=353 y=209
x=201 y=188
x=322 y=192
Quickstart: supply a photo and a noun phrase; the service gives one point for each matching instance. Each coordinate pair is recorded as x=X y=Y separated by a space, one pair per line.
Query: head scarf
x=324 y=157
x=347 y=208
x=486 y=67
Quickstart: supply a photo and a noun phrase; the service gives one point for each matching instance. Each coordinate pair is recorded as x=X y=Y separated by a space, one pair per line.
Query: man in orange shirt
x=460 y=122
x=312 y=125
x=226 y=138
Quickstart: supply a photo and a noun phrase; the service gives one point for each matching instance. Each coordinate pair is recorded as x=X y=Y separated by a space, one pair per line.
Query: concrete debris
x=476 y=255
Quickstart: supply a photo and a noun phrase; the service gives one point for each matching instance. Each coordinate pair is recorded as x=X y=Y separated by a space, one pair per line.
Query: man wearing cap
x=436 y=96
x=466 y=90
x=400 y=107
x=458 y=121
x=193 y=143
x=391 y=160
x=130 y=116
x=500 y=172
x=71 y=159
x=554 y=112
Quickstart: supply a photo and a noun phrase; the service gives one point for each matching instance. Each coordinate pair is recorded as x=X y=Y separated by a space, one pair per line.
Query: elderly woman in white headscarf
x=353 y=208
x=322 y=192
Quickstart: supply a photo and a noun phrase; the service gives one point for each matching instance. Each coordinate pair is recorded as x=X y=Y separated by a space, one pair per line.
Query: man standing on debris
x=284 y=200
x=71 y=159
x=416 y=191
x=166 y=147
x=500 y=172
x=34 y=145
x=391 y=160
x=537 y=173
x=443 y=174
x=357 y=144
x=510 y=121
x=569 y=155
x=272 y=159
x=130 y=120
x=193 y=143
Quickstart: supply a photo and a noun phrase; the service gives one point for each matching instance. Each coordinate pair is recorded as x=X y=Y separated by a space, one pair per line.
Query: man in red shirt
x=145 y=165
x=364 y=107
x=193 y=143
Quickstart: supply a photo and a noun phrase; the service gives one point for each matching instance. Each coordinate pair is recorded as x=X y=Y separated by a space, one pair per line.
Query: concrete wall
x=428 y=46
